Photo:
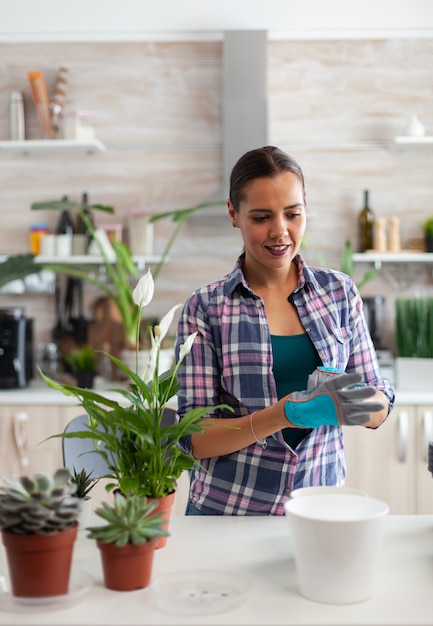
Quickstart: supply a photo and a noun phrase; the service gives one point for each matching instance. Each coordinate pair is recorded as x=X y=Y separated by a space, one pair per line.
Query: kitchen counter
x=38 y=393
x=258 y=551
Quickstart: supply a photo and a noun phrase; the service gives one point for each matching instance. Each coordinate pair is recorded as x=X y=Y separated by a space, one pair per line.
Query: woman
x=263 y=330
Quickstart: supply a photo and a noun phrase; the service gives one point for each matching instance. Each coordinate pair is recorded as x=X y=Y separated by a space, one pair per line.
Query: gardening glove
x=339 y=400
x=321 y=374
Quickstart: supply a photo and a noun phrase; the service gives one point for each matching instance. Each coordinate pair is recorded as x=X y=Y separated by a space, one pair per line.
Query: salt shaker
x=16 y=117
x=380 y=234
x=394 y=243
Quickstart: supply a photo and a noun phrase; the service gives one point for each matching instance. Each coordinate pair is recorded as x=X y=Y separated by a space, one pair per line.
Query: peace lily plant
x=142 y=454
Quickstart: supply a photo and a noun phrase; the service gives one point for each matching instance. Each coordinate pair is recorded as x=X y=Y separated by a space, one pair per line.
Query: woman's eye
x=260 y=218
x=293 y=216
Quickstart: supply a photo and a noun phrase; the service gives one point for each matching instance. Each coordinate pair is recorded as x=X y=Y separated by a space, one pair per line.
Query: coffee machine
x=16 y=348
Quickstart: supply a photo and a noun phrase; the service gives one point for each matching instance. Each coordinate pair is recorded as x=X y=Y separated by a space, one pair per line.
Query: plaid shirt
x=231 y=362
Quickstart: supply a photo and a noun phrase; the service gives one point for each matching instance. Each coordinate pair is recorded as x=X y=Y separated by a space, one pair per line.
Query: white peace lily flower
x=165 y=323
x=143 y=292
x=151 y=363
x=185 y=348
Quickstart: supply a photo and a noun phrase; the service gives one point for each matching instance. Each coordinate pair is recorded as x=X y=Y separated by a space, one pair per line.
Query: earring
x=234 y=225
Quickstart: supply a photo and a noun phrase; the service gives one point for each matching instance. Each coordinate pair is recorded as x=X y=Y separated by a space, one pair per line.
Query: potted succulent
x=82 y=362
x=38 y=521
x=140 y=450
x=428 y=234
x=84 y=484
x=127 y=541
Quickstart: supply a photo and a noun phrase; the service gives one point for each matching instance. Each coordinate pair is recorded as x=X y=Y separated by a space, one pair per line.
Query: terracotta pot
x=127 y=568
x=39 y=565
x=164 y=507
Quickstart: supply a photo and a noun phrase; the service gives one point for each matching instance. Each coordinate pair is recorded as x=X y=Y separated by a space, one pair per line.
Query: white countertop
x=38 y=393
x=259 y=550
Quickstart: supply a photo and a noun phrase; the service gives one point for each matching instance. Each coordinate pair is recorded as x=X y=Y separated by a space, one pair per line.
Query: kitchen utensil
x=42 y=103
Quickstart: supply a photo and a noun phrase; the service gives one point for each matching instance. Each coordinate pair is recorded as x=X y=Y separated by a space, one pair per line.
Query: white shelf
x=88 y=259
x=52 y=146
x=393 y=257
x=413 y=141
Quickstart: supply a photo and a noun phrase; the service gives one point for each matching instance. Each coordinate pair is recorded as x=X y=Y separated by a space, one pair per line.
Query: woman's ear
x=231 y=211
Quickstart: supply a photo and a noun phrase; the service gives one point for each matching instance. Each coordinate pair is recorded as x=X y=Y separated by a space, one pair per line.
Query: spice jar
x=37 y=231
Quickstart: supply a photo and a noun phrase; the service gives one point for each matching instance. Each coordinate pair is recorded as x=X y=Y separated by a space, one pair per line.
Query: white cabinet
x=23 y=430
x=390 y=463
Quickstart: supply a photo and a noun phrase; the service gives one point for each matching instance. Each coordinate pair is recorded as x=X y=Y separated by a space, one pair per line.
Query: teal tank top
x=295 y=357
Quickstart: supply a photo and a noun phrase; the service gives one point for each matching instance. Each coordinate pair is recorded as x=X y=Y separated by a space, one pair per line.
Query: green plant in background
x=428 y=227
x=123 y=272
x=82 y=359
x=17 y=267
x=39 y=504
x=179 y=217
x=84 y=482
x=414 y=327
x=347 y=265
x=119 y=273
x=129 y=520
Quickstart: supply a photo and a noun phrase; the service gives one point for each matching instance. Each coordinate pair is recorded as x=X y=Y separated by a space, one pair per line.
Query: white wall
x=51 y=20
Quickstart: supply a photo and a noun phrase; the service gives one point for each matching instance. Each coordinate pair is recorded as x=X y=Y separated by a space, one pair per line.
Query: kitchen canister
x=16 y=117
x=140 y=233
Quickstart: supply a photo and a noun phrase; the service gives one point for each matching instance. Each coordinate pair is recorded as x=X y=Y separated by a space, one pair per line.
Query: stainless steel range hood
x=244 y=91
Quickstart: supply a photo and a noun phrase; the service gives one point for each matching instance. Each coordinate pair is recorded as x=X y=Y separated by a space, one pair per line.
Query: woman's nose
x=278 y=228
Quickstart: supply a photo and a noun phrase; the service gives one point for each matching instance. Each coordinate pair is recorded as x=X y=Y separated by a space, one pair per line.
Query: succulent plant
x=84 y=482
x=39 y=504
x=130 y=520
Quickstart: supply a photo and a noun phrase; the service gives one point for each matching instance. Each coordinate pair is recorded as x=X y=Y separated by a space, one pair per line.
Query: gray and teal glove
x=339 y=400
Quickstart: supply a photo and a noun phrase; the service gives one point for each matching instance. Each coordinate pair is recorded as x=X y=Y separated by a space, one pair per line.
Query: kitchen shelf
x=405 y=140
x=90 y=259
x=401 y=276
x=52 y=146
x=392 y=257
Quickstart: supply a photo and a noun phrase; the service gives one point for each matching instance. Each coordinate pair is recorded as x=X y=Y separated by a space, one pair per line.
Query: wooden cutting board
x=105 y=331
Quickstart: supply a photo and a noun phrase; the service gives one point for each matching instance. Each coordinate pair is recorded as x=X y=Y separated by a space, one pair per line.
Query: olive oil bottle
x=365 y=225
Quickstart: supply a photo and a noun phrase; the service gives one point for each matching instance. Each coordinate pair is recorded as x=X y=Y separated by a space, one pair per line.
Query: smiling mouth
x=278 y=250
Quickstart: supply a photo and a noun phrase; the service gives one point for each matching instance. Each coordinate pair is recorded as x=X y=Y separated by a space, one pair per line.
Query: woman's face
x=272 y=220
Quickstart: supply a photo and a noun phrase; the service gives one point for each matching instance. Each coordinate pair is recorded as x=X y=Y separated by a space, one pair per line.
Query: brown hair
x=260 y=163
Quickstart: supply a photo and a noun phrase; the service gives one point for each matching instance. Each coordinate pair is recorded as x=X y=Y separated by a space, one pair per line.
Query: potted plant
x=428 y=234
x=127 y=541
x=120 y=270
x=414 y=343
x=82 y=362
x=140 y=450
x=38 y=521
x=84 y=484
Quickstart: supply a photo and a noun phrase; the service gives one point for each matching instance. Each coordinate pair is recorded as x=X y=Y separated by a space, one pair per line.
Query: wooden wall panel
x=334 y=105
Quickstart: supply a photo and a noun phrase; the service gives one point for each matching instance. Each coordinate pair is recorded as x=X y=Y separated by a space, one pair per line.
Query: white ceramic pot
x=85 y=513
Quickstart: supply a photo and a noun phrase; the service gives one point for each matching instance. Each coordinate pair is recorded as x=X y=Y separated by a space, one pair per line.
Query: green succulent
x=84 y=482
x=130 y=520
x=39 y=504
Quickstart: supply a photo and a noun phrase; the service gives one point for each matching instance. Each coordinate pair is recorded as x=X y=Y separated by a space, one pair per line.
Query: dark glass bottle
x=365 y=225
x=65 y=225
x=81 y=227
